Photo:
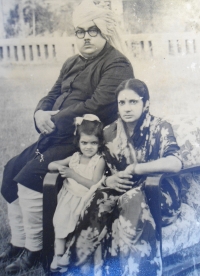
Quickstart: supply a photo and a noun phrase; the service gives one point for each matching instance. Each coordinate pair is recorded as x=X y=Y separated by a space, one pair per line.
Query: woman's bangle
x=104 y=182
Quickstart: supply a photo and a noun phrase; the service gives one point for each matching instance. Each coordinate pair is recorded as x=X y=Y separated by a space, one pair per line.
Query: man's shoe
x=11 y=252
x=25 y=261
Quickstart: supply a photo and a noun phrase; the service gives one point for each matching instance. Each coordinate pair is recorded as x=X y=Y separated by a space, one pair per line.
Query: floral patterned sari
x=116 y=233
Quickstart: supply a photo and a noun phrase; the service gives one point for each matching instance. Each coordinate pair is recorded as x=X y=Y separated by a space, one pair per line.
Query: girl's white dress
x=71 y=196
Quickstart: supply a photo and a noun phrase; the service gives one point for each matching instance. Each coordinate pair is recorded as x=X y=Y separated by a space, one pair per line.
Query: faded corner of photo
x=161 y=39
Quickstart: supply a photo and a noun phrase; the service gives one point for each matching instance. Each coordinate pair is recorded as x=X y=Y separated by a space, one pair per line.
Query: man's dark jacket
x=86 y=86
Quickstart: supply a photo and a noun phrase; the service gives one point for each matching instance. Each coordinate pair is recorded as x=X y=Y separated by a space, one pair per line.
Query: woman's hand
x=120 y=181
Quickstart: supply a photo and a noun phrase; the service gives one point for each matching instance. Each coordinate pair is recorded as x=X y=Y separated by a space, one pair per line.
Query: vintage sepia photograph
x=100 y=137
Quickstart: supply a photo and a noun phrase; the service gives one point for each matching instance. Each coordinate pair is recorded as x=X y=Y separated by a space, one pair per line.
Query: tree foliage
x=40 y=19
x=36 y=17
x=12 y=27
x=141 y=16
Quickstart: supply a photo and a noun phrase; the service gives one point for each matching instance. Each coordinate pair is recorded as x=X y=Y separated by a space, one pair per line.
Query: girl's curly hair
x=90 y=128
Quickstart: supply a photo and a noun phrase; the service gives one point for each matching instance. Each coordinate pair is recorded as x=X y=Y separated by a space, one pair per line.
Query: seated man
x=86 y=84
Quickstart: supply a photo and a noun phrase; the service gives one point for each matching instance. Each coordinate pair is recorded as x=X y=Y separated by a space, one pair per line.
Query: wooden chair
x=172 y=264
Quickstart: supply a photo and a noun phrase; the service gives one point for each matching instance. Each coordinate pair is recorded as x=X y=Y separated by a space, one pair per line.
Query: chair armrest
x=51 y=184
x=153 y=194
x=185 y=170
x=191 y=168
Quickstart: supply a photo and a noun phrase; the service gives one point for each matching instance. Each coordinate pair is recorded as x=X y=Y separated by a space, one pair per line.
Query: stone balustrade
x=56 y=49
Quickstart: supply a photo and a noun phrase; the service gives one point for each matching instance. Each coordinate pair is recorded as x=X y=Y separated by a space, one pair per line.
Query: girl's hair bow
x=88 y=117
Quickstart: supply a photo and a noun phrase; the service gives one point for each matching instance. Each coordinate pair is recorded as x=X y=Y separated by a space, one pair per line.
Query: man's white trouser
x=25 y=219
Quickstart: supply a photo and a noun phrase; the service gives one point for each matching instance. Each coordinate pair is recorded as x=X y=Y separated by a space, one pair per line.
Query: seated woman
x=118 y=216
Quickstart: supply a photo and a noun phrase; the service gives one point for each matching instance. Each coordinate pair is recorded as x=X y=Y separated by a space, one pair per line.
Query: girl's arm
x=169 y=163
x=56 y=165
x=98 y=173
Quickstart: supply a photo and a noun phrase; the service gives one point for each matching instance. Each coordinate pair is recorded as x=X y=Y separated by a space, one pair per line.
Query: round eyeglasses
x=92 y=32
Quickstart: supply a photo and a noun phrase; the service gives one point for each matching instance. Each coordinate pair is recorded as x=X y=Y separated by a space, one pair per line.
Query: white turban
x=104 y=19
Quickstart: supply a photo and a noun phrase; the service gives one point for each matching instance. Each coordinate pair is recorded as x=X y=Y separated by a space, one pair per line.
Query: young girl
x=81 y=171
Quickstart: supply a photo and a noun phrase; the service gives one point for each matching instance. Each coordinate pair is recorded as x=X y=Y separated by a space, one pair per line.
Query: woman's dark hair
x=137 y=86
x=90 y=128
x=141 y=89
